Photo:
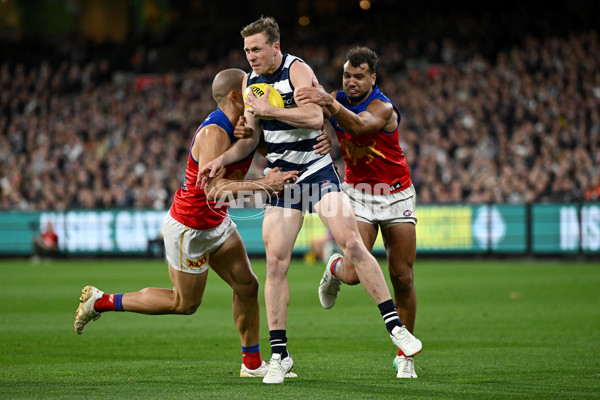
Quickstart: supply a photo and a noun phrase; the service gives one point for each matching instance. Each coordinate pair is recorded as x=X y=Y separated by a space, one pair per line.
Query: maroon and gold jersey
x=190 y=205
x=373 y=158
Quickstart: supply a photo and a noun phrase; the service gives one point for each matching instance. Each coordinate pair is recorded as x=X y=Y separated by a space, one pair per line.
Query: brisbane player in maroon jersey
x=377 y=180
x=198 y=233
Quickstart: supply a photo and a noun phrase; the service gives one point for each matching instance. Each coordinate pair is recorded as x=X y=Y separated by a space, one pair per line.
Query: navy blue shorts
x=305 y=194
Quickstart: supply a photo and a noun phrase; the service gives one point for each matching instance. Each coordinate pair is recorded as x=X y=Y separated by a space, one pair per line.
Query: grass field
x=490 y=330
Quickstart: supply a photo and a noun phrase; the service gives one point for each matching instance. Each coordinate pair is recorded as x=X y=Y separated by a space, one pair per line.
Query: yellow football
x=259 y=89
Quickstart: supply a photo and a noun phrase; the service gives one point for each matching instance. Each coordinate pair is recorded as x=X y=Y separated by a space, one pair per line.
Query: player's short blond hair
x=266 y=25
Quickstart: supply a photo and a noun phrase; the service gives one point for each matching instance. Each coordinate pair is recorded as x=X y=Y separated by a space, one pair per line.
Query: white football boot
x=330 y=285
x=254 y=373
x=86 y=311
x=279 y=369
x=260 y=372
x=405 y=366
x=405 y=341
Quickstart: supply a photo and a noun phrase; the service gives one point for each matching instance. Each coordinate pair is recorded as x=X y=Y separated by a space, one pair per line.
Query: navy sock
x=389 y=314
x=278 y=342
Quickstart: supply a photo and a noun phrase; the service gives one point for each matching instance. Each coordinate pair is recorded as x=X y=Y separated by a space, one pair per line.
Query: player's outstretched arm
x=314 y=94
x=272 y=182
x=210 y=171
x=374 y=118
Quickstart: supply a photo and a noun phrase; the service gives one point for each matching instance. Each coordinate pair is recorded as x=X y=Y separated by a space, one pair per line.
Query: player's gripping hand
x=209 y=171
x=259 y=106
x=323 y=145
x=276 y=180
x=314 y=94
x=241 y=130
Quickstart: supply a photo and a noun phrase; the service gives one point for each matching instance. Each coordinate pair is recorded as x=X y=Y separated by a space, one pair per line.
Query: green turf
x=491 y=330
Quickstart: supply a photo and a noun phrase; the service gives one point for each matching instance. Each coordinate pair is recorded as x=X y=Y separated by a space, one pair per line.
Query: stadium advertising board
x=565 y=228
x=493 y=229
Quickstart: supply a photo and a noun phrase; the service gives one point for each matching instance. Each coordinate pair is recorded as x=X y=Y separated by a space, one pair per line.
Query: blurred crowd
x=521 y=127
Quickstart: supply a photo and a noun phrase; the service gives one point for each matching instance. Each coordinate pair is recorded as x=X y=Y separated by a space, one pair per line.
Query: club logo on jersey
x=352 y=153
x=196 y=264
x=408 y=213
x=288 y=99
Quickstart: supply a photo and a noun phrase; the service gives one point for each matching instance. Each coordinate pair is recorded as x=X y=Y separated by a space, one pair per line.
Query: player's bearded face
x=357 y=82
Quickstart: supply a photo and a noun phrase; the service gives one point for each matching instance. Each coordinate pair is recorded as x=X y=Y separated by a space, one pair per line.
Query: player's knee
x=274 y=260
x=276 y=266
x=402 y=278
x=186 y=306
x=247 y=290
x=354 y=249
x=187 y=309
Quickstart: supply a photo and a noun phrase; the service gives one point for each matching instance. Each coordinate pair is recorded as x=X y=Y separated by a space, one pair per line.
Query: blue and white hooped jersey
x=288 y=147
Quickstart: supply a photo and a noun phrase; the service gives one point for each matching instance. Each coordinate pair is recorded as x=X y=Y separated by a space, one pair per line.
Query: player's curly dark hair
x=266 y=25
x=362 y=55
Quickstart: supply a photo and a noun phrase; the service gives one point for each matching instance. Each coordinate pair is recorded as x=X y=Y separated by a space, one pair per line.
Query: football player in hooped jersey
x=198 y=233
x=377 y=181
x=289 y=134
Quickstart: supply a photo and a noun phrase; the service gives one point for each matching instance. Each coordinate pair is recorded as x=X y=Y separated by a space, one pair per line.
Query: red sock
x=401 y=353
x=106 y=303
x=251 y=360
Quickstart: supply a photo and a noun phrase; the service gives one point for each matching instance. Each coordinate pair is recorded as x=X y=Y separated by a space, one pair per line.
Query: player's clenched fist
x=242 y=130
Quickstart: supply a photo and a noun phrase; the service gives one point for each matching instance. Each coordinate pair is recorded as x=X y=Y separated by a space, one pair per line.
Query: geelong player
x=289 y=137
x=198 y=233
x=377 y=180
